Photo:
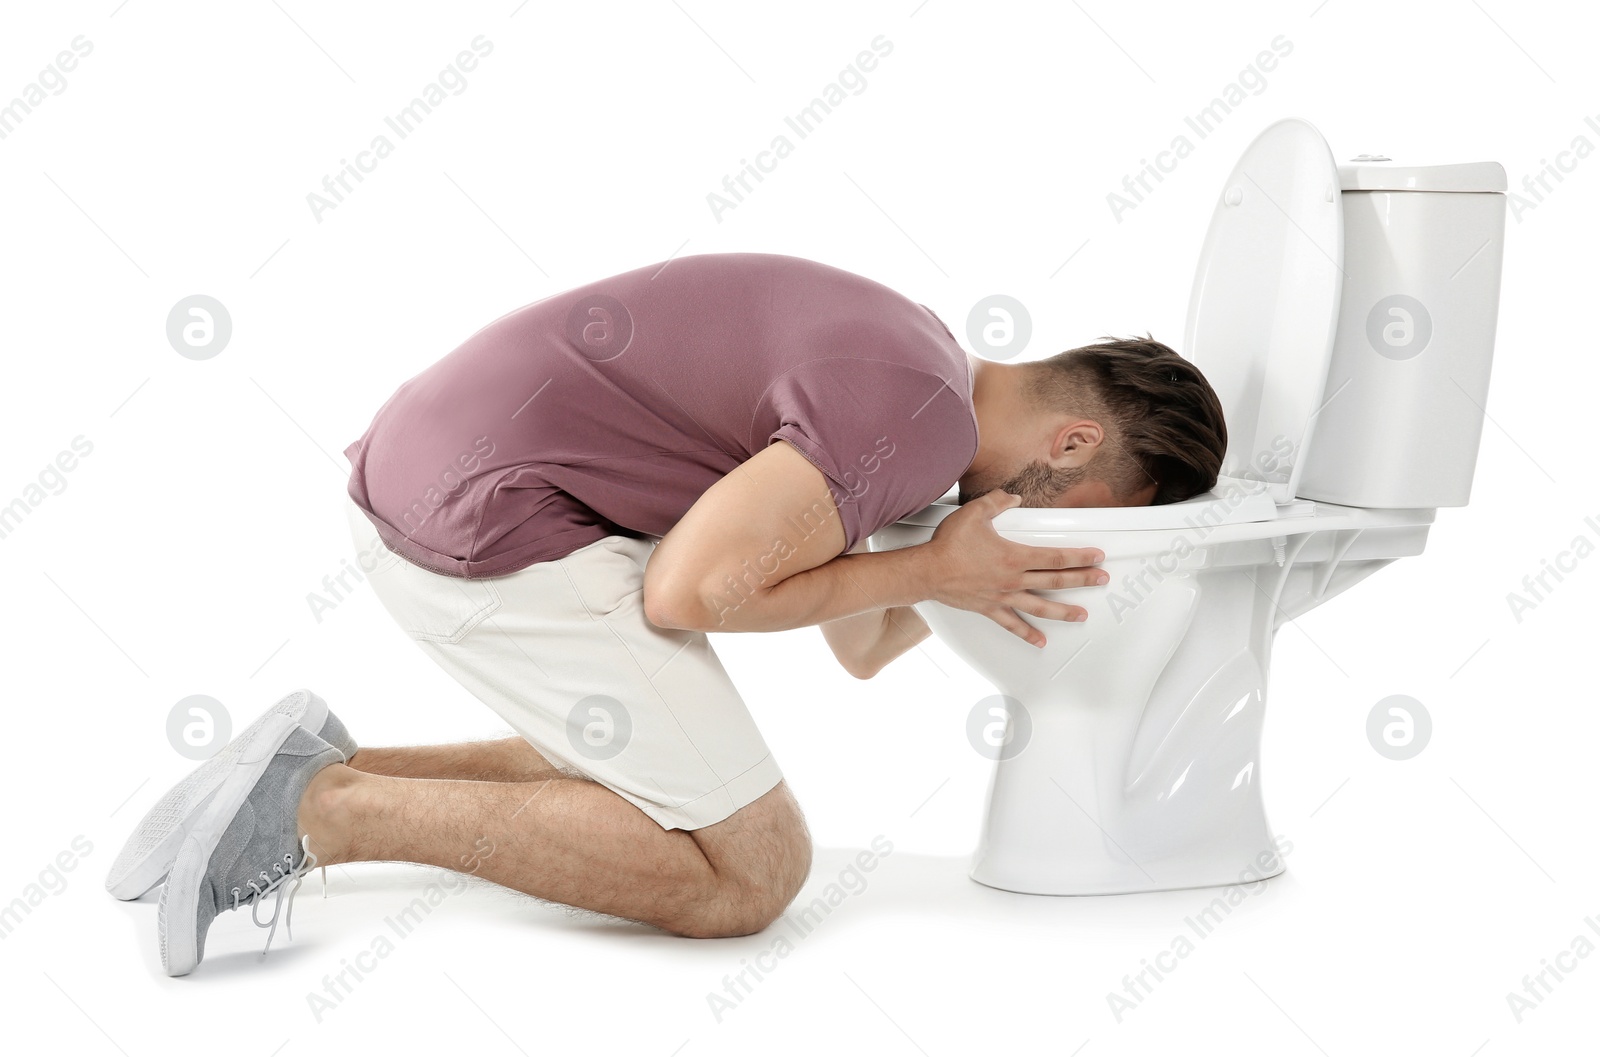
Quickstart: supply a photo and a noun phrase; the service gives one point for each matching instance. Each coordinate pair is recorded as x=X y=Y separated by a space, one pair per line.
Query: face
x=1039 y=484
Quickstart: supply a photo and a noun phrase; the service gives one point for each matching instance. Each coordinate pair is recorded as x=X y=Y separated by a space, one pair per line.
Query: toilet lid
x=1265 y=301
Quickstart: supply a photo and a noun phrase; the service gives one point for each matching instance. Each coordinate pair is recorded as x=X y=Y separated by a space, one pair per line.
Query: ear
x=1075 y=442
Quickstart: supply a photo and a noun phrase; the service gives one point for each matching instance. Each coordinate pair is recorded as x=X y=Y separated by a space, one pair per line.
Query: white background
x=178 y=558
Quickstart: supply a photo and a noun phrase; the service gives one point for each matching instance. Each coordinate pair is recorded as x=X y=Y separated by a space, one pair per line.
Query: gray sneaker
x=148 y=854
x=245 y=844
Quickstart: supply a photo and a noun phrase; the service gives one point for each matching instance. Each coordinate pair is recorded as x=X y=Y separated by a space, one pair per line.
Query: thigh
x=563 y=652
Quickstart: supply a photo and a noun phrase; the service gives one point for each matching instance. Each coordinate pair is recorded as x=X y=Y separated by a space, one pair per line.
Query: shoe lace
x=283 y=871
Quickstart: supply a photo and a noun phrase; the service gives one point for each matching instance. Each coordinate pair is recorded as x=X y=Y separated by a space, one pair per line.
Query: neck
x=999 y=404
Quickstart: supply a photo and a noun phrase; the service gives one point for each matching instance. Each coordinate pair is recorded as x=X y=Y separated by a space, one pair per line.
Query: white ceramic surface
x=1133 y=761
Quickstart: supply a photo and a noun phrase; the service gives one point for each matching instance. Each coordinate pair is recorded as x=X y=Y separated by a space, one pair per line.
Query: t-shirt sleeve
x=889 y=438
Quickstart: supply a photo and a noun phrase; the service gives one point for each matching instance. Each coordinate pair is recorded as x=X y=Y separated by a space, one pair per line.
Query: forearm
x=866 y=642
x=848 y=585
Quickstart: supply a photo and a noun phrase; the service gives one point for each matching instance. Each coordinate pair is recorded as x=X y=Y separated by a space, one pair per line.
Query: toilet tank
x=1408 y=379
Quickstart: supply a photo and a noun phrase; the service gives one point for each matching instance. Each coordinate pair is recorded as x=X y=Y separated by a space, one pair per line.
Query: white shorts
x=562 y=651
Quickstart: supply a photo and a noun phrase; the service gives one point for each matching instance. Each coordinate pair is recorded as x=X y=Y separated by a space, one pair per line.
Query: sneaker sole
x=150 y=851
x=180 y=896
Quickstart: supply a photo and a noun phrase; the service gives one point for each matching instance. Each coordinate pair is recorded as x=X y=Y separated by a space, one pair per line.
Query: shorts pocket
x=608 y=574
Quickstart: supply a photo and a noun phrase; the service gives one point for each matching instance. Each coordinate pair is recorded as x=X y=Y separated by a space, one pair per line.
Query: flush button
x=1234 y=196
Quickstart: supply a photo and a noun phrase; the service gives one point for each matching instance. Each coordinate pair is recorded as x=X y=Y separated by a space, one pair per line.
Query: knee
x=750 y=892
x=741 y=906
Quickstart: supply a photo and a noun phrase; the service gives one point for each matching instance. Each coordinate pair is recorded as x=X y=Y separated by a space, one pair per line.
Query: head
x=1124 y=422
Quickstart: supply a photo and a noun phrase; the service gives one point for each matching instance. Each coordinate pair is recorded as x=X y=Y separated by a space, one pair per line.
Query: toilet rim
x=1232 y=501
x=1236 y=509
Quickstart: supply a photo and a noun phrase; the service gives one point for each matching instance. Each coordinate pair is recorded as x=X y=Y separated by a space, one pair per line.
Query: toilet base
x=1127 y=751
x=986 y=874
x=1129 y=847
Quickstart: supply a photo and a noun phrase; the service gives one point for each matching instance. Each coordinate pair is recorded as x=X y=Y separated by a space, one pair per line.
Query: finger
x=1009 y=620
x=1035 y=606
x=996 y=500
x=1060 y=580
x=1059 y=557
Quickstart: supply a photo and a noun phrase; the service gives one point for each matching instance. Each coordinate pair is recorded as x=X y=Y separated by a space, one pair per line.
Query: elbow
x=668 y=611
x=682 y=602
x=857 y=665
x=676 y=609
x=863 y=671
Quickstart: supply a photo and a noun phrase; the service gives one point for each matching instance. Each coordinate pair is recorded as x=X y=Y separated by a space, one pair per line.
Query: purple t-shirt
x=609 y=409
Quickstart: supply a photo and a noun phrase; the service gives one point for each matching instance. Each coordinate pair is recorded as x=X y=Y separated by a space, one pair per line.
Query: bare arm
x=761 y=551
x=866 y=642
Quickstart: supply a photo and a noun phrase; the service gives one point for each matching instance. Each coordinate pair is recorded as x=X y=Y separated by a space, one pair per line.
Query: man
x=574 y=497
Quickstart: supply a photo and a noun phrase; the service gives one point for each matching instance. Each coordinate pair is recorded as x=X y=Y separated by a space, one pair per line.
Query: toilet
x=1345 y=315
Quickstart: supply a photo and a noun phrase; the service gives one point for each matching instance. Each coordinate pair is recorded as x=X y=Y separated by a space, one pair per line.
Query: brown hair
x=1163 y=421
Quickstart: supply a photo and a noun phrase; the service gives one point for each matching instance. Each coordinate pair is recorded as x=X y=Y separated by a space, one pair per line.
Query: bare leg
x=506 y=760
x=571 y=841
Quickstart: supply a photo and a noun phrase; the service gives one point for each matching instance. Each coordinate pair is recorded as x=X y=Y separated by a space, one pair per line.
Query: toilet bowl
x=1345 y=316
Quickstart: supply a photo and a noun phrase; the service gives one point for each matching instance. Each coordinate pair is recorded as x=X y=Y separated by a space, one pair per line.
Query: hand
x=970 y=566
